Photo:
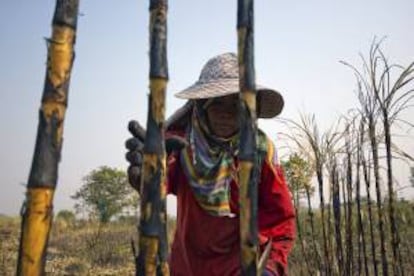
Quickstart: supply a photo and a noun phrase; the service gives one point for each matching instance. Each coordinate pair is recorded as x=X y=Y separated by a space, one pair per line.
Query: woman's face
x=222 y=114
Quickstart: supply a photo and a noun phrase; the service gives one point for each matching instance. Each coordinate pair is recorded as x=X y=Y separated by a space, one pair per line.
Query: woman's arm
x=276 y=216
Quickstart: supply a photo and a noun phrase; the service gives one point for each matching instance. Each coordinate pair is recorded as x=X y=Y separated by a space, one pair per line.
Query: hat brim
x=269 y=102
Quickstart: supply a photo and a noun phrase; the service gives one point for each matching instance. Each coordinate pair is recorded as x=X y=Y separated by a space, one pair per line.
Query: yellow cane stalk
x=37 y=212
x=36 y=228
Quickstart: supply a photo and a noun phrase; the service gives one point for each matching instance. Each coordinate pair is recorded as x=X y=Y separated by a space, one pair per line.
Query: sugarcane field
x=207 y=138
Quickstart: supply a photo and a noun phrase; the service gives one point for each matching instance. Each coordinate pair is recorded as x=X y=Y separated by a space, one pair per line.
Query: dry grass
x=9 y=242
x=87 y=248
x=80 y=249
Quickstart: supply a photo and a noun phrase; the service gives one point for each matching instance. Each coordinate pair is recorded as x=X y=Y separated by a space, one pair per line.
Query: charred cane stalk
x=37 y=210
x=349 y=222
x=367 y=181
x=248 y=172
x=153 y=245
x=336 y=205
x=375 y=158
x=361 y=231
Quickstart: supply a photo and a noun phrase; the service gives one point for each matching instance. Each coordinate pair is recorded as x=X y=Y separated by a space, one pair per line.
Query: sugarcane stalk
x=375 y=159
x=37 y=210
x=367 y=181
x=349 y=265
x=361 y=230
x=153 y=243
x=248 y=170
x=336 y=204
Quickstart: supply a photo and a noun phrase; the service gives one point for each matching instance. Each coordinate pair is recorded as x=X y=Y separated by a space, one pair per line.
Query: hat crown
x=224 y=66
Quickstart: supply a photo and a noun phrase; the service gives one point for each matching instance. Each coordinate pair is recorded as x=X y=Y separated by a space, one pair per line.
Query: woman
x=202 y=143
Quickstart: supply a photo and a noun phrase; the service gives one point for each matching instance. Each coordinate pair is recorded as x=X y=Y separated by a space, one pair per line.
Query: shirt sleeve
x=173 y=166
x=276 y=214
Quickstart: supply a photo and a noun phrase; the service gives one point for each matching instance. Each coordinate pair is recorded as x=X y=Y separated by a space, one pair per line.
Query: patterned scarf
x=209 y=165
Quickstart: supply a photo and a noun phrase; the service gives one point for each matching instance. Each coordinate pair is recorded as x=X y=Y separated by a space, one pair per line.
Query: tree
x=299 y=174
x=64 y=219
x=65 y=215
x=105 y=193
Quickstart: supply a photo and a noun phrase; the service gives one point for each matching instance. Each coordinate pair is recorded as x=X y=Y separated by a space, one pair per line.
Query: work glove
x=134 y=155
x=135 y=146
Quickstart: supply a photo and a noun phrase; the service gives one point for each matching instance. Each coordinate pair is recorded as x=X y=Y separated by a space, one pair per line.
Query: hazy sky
x=297 y=43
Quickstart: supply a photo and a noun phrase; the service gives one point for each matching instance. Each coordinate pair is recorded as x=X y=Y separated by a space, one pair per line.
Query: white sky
x=298 y=45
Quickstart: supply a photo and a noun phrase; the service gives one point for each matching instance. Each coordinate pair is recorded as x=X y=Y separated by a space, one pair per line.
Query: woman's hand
x=135 y=146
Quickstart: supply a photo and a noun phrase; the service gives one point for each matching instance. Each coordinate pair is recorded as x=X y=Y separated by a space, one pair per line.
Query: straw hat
x=220 y=77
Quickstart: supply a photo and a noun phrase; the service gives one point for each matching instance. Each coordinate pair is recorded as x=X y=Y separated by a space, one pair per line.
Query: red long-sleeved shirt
x=209 y=245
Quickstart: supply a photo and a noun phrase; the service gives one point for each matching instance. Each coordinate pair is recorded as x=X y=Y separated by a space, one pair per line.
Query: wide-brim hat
x=220 y=77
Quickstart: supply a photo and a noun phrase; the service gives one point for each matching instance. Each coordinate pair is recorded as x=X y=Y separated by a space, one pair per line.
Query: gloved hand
x=135 y=146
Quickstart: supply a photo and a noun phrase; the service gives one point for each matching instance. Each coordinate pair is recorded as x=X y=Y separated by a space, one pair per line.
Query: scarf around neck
x=208 y=164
